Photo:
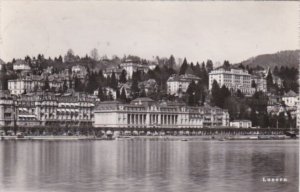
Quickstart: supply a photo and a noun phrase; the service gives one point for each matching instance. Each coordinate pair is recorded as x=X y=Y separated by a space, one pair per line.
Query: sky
x=199 y=31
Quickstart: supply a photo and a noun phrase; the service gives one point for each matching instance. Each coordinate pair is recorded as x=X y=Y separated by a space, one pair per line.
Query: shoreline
x=163 y=138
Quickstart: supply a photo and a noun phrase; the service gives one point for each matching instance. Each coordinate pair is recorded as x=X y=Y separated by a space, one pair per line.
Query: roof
x=290 y=94
x=241 y=120
x=20 y=62
x=143 y=99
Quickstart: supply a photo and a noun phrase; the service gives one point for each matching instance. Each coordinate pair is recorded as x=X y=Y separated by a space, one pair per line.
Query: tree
x=226 y=65
x=183 y=67
x=135 y=86
x=94 y=54
x=253 y=84
x=253 y=117
x=122 y=78
x=171 y=62
x=209 y=66
x=239 y=94
x=191 y=91
x=65 y=87
x=113 y=81
x=215 y=94
x=46 y=85
x=78 y=86
x=269 y=81
x=100 y=93
x=70 y=57
x=123 y=95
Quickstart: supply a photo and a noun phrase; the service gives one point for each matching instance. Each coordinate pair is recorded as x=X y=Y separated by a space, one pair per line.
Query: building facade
x=290 y=99
x=131 y=67
x=21 y=65
x=241 y=124
x=145 y=113
x=47 y=110
x=179 y=84
x=233 y=79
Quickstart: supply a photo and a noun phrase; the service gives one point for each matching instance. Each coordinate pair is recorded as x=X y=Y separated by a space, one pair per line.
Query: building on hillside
x=150 y=86
x=131 y=67
x=25 y=85
x=277 y=80
x=260 y=82
x=107 y=91
x=290 y=98
x=79 y=71
x=241 y=124
x=109 y=71
x=146 y=113
x=233 y=79
x=21 y=65
x=179 y=84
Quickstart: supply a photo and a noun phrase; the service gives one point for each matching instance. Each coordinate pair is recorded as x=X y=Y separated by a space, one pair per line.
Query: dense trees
x=183 y=67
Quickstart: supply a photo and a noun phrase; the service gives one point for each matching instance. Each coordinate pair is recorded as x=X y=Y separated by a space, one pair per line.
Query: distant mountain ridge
x=289 y=58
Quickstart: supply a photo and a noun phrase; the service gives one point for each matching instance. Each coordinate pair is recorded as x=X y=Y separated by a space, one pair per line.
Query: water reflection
x=144 y=165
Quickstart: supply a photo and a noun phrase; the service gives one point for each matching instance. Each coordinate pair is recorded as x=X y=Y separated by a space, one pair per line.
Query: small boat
x=184 y=139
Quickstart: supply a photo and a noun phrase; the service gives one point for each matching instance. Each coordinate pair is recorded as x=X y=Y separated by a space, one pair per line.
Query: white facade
x=143 y=112
x=130 y=67
x=290 y=99
x=21 y=66
x=233 y=79
x=261 y=83
x=177 y=84
x=241 y=124
x=20 y=86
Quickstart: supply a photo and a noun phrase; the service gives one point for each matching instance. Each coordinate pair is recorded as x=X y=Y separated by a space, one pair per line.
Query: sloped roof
x=143 y=99
x=290 y=94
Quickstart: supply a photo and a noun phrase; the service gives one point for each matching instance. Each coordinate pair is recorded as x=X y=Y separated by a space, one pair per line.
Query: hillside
x=283 y=58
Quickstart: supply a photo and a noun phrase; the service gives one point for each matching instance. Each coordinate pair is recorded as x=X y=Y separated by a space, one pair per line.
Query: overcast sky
x=198 y=31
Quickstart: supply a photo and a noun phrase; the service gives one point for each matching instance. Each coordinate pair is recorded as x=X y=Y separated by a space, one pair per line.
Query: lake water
x=144 y=165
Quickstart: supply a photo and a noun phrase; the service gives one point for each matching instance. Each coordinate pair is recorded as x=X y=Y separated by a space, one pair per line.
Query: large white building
x=131 y=67
x=179 y=84
x=233 y=79
x=145 y=113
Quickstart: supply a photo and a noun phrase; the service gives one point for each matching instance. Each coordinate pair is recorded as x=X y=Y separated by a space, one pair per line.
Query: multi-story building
x=79 y=71
x=290 y=99
x=24 y=85
x=21 y=65
x=260 y=82
x=179 y=84
x=109 y=71
x=47 y=110
x=146 y=113
x=233 y=79
x=6 y=109
x=131 y=67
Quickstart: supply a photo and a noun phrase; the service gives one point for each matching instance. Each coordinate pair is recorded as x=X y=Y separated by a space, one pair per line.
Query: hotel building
x=233 y=79
x=47 y=110
x=146 y=113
